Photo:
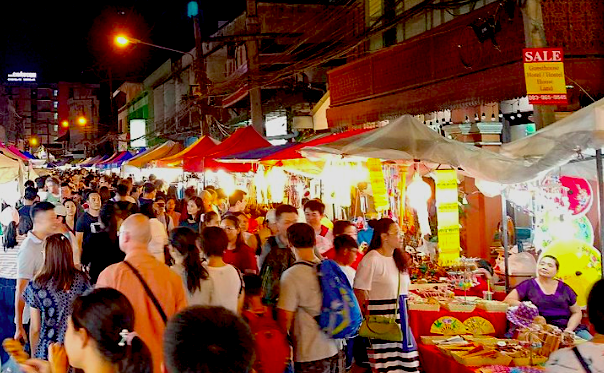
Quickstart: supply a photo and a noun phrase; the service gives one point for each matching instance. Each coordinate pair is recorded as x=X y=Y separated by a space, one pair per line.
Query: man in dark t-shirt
x=88 y=223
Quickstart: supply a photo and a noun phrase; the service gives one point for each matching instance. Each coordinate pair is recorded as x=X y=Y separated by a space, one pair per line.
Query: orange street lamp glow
x=64 y=124
x=122 y=41
x=33 y=141
x=82 y=121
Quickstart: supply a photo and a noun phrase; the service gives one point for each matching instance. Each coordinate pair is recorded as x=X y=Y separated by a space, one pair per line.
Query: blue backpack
x=340 y=316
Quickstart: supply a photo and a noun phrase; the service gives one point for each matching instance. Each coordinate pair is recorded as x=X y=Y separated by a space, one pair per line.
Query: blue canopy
x=256 y=154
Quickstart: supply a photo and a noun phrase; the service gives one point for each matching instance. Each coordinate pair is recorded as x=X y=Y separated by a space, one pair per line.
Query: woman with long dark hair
x=104 y=317
x=51 y=293
x=224 y=285
x=188 y=262
x=238 y=253
x=194 y=211
x=72 y=214
x=381 y=286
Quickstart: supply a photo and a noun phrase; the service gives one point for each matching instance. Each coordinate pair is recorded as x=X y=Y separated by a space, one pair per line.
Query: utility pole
x=534 y=37
x=199 y=68
x=253 y=28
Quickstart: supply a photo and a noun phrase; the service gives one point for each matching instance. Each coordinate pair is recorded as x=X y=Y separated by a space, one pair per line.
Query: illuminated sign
x=137 y=133
x=22 y=77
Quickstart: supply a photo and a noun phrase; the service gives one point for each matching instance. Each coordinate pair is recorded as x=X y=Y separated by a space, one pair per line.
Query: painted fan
x=479 y=326
x=448 y=325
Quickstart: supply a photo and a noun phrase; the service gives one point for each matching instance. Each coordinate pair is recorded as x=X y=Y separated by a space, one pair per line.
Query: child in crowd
x=271 y=346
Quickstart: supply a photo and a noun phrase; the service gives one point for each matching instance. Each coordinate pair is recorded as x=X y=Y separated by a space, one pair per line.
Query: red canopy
x=243 y=139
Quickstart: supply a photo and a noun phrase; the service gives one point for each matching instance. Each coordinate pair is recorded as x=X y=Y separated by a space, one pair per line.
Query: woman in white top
x=588 y=356
x=380 y=282
x=211 y=283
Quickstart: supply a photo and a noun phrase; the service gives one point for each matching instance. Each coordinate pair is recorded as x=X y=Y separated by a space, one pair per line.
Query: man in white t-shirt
x=299 y=302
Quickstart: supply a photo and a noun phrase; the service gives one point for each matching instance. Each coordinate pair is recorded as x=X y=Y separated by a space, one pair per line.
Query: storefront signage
x=20 y=76
x=544 y=76
x=447 y=215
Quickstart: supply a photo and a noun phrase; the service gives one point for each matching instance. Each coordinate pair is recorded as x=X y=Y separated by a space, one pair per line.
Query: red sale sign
x=544 y=76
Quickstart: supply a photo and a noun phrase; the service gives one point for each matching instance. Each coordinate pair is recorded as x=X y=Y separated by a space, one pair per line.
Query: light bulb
x=484 y=116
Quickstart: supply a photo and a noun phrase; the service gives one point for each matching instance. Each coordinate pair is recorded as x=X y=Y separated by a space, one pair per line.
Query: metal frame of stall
x=504 y=213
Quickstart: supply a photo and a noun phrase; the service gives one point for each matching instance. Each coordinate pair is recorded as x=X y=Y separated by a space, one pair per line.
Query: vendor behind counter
x=555 y=300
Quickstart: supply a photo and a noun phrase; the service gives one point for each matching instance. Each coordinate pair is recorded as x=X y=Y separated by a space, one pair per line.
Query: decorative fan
x=479 y=326
x=448 y=325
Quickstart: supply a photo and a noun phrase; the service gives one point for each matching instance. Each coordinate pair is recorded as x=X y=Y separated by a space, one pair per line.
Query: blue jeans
x=7 y=312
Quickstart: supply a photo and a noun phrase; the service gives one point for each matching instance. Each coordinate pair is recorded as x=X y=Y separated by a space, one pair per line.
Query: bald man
x=163 y=284
x=208 y=202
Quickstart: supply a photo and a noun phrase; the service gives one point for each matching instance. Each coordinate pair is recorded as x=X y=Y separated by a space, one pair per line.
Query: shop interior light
x=418 y=192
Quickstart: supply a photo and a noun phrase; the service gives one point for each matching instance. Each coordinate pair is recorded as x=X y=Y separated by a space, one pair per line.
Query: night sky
x=73 y=41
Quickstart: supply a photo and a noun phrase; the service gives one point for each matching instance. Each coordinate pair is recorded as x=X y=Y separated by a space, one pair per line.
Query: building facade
x=78 y=115
x=35 y=118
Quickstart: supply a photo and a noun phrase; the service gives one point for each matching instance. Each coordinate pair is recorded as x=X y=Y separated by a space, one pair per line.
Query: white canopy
x=407 y=139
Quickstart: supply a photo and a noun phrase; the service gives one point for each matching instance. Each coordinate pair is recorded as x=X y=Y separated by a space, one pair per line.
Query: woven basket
x=423 y=306
x=492 y=306
x=459 y=307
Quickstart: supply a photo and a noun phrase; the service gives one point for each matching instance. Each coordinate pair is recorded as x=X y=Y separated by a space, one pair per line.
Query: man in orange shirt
x=161 y=283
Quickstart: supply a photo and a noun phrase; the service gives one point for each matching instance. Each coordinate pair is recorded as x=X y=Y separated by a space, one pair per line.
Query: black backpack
x=276 y=262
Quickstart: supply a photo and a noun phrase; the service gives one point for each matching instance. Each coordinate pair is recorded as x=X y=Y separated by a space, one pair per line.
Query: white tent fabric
x=407 y=139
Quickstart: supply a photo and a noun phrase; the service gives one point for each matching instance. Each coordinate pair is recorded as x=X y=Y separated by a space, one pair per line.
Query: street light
x=65 y=124
x=82 y=121
x=33 y=141
x=123 y=41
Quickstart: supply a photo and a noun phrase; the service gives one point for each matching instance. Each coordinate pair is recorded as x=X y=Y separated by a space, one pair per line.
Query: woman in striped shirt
x=8 y=273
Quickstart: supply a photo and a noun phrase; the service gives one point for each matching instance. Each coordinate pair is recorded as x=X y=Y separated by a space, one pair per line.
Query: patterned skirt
x=388 y=356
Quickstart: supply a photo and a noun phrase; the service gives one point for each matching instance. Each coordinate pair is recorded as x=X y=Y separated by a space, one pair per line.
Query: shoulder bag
x=383 y=327
x=148 y=291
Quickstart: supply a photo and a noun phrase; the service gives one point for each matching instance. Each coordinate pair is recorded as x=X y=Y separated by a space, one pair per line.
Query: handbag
x=383 y=327
x=150 y=294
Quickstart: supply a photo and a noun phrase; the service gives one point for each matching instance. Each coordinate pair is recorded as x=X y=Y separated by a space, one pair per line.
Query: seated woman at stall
x=556 y=301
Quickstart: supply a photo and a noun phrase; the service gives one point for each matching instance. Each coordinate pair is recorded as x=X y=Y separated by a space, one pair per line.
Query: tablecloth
x=434 y=362
x=421 y=321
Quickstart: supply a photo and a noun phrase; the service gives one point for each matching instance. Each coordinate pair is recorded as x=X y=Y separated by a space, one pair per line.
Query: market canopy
x=286 y=151
x=579 y=134
x=18 y=153
x=10 y=169
x=243 y=139
x=164 y=150
x=202 y=146
x=407 y=139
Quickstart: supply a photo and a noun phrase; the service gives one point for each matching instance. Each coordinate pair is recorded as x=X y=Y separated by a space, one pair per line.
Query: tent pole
x=601 y=204
x=504 y=240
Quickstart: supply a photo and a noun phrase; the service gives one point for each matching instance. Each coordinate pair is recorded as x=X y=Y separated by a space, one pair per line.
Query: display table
x=421 y=321
x=434 y=362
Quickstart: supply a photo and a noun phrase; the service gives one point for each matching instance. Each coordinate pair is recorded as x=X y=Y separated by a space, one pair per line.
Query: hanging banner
x=544 y=76
x=378 y=185
x=447 y=214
